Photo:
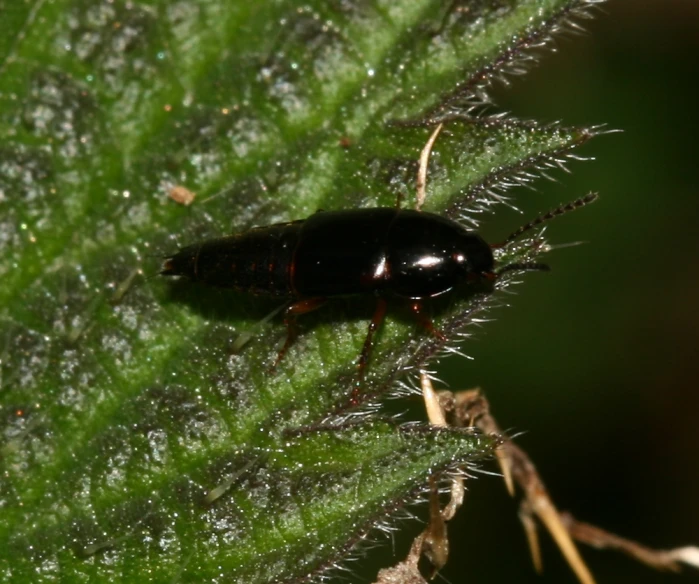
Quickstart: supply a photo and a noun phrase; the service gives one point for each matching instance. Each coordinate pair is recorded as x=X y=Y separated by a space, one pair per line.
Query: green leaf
x=135 y=446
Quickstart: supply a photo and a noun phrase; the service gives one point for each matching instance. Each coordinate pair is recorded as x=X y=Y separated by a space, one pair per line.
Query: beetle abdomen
x=257 y=261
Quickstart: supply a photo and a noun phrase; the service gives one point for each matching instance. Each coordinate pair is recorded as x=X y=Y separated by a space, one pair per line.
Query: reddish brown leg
x=290 y=314
x=376 y=320
x=425 y=321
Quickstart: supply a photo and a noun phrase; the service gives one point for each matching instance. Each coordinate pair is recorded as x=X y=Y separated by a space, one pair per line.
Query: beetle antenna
x=523 y=267
x=557 y=212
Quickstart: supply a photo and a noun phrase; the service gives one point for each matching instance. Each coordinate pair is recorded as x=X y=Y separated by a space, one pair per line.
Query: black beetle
x=385 y=252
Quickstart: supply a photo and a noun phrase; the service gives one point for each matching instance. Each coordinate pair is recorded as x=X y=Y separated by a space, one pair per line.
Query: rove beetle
x=390 y=253
x=385 y=252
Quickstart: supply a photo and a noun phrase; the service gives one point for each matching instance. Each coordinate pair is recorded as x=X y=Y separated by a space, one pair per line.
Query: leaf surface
x=135 y=446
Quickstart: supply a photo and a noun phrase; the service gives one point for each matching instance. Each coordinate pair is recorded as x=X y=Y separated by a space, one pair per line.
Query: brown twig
x=470 y=408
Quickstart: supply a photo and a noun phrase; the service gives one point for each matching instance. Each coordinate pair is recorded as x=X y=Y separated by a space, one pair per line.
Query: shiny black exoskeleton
x=383 y=252
x=388 y=253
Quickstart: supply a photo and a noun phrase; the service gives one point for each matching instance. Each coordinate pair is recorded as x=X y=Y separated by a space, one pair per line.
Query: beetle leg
x=246 y=335
x=376 y=320
x=290 y=314
x=425 y=321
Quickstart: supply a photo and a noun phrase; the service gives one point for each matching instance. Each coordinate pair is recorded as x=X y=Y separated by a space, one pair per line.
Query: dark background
x=598 y=361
